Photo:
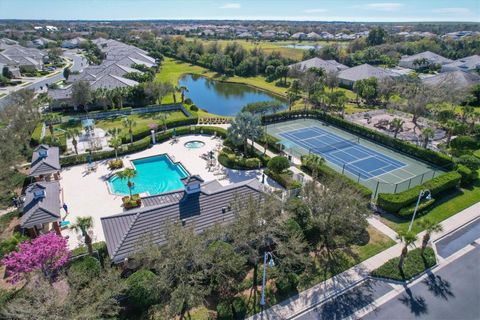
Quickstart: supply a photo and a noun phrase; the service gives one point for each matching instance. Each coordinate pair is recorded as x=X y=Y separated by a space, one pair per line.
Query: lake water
x=225 y=99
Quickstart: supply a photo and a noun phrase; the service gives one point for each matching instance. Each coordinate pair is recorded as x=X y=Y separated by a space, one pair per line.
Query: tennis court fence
x=377 y=186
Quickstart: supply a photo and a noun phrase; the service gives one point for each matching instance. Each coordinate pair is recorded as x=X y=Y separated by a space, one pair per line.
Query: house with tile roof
x=468 y=64
x=200 y=205
x=455 y=79
x=45 y=163
x=431 y=57
x=327 y=65
x=349 y=76
x=41 y=208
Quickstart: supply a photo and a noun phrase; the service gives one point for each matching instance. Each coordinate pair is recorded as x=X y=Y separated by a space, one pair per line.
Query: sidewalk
x=341 y=282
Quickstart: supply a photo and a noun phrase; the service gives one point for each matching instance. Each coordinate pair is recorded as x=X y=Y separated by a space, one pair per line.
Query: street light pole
x=271 y=264
x=420 y=196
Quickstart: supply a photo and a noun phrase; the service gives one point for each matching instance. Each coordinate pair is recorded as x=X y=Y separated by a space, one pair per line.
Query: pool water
x=194 y=144
x=155 y=175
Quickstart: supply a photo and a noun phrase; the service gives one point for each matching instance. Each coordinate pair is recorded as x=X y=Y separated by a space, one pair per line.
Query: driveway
x=454 y=242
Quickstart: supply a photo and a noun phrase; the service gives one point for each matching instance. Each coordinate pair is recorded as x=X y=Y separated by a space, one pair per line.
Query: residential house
x=313 y=36
x=411 y=62
x=349 y=76
x=199 y=205
x=469 y=64
x=45 y=163
x=327 y=65
x=453 y=79
x=299 y=35
x=41 y=208
x=73 y=43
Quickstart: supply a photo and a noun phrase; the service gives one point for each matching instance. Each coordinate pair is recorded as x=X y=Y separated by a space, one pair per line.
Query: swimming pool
x=155 y=175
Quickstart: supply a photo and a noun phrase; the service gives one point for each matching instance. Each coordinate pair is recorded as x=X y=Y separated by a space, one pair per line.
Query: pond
x=222 y=98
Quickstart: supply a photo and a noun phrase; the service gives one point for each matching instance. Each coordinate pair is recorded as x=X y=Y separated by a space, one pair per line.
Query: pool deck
x=87 y=194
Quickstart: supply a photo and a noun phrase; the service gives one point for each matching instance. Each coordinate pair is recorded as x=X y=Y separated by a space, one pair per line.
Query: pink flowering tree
x=47 y=253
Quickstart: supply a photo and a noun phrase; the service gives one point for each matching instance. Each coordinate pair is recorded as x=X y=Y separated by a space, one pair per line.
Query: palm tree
x=162 y=116
x=100 y=97
x=292 y=96
x=430 y=228
x=182 y=90
x=83 y=225
x=427 y=133
x=423 y=62
x=407 y=238
x=119 y=94
x=245 y=126
x=73 y=133
x=450 y=126
x=129 y=124
x=313 y=162
x=397 y=125
x=128 y=174
x=116 y=141
x=49 y=118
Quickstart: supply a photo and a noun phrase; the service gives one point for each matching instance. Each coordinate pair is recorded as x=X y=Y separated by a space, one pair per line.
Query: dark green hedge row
x=141 y=144
x=325 y=172
x=393 y=203
x=284 y=179
x=37 y=134
x=143 y=132
x=414 y=264
x=412 y=150
x=468 y=175
x=408 y=211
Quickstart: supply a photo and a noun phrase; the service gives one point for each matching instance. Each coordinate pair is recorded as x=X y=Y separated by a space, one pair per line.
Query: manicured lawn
x=443 y=208
x=414 y=264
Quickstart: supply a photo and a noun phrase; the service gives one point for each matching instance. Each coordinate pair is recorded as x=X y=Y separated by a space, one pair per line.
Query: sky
x=315 y=10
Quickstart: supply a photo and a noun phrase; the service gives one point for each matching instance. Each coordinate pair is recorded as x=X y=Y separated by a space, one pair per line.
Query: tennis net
x=324 y=148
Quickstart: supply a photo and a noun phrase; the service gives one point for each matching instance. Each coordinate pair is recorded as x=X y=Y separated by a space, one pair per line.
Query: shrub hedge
x=393 y=203
x=284 y=179
x=141 y=291
x=278 y=164
x=141 y=144
x=414 y=264
x=408 y=211
x=232 y=161
x=427 y=155
x=468 y=175
x=83 y=270
x=326 y=172
x=37 y=134
x=144 y=131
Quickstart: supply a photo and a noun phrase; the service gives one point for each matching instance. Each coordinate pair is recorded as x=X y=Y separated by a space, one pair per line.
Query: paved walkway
x=340 y=283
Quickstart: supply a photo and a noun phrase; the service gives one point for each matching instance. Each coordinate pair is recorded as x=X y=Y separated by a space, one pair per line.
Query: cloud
x=231 y=6
x=384 y=6
x=315 y=10
x=455 y=11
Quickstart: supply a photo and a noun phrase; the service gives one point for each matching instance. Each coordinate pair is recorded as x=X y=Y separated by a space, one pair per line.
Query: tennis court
x=379 y=168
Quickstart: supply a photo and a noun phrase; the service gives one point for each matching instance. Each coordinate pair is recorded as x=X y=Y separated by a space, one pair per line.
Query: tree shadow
x=438 y=286
x=416 y=304
x=348 y=303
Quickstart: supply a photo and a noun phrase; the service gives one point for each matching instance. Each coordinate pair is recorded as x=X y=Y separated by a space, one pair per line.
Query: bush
x=224 y=310
x=132 y=202
x=408 y=211
x=193 y=108
x=232 y=161
x=477 y=153
x=188 y=101
x=278 y=164
x=10 y=244
x=100 y=247
x=468 y=175
x=286 y=286
x=414 y=264
x=325 y=172
x=395 y=202
x=284 y=179
x=464 y=143
x=83 y=270
x=142 y=291
x=37 y=134
x=367 y=133
x=470 y=161
x=115 y=164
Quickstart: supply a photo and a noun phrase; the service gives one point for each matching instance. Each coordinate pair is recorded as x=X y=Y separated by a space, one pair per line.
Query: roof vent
x=42 y=153
x=38 y=194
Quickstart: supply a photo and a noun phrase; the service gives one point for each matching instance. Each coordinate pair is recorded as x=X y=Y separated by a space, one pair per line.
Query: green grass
x=10 y=182
x=477 y=153
x=414 y=264
x=445 y=207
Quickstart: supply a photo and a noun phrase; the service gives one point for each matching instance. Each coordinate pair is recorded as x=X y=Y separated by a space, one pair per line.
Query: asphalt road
x=79 y=62
x=452 y=293
x=349 y=302
x=461 y=238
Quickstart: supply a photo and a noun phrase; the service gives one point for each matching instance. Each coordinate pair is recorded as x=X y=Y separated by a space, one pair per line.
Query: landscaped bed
x=415 y=263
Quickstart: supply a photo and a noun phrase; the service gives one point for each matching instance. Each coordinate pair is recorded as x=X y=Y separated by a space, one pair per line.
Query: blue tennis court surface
x=353 y=157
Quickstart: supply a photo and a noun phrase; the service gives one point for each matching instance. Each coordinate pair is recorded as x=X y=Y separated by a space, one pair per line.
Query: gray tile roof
x=327 y=65
x=109 y=81
x=43 y=209
x=431 y=56
x=456 y=79
x=365 y=71
x=44 y=164
x=465 y=64
x=125 y=232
